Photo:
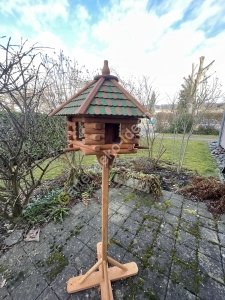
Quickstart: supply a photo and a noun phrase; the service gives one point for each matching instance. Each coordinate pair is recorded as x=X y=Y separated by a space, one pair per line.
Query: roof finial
x=105 y=70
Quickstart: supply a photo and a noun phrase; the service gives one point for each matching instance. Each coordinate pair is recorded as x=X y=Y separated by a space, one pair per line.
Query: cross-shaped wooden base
x=103 y=277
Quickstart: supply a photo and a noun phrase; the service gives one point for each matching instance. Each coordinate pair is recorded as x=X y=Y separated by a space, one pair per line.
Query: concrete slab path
x=177 y=244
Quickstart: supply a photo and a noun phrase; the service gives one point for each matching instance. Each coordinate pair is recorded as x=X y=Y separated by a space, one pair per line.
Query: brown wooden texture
x=88 y=141
x=95 y=136
x=94 y=125
x=92 y=131
x=117 y=120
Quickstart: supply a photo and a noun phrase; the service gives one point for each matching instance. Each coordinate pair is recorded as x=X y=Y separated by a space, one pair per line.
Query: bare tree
x=200 y=93
x=26 y=136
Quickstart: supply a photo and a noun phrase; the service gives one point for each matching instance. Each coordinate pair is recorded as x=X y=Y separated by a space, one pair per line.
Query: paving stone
x=221 y=227
x=73 y=247
x=166 y=194
x=114 y=205
x=155 y=285
x=205 y=222
x=178 y=292
x=203 y=212
x=160 y=261
x=118 y=219
x=184 y=275
x=85 y=216
x=177 y=200
x=140 y=247
x=208 y=235
x=78 y=208
x=144 y=209
x=189 y=256
x=14 y=237
x=4 y=293
x=59 y=285
x=187 y=216
x=137 y=216
x=189 y=227
x=50 y=232
x=94 y=206
x=85 y=259
x=187 y=239
x=90 y=294
x=210 y=289
x=190 y=206
x=164 y=243
x=116 y=252
x=92 y=244
x=173 y=210
x=131 y=225
x=30 y=289
x=112 y=229
x=170 y=219
x=151 y=224
x=124 y=237
x=222 y=218
x=156 y=213
x=210 y=266
x=86 y=233
x=48 y=294
x=17 y=267
x=146 y=235
x=125 y=210
x=209 y=249
x=96 y=222
x=222 y=239
x=168 y=229
x=201 y=205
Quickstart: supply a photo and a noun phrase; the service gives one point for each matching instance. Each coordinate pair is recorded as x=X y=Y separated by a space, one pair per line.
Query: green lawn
x=198 y=157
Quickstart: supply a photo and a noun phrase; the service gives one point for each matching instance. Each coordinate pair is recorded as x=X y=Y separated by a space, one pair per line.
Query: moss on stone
x=3 y=268
x=59 y=261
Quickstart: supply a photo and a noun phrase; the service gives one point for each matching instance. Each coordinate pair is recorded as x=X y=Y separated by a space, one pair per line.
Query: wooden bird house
x=102 y=118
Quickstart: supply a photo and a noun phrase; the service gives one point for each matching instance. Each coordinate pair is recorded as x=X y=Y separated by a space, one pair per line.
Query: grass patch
x=198 y=157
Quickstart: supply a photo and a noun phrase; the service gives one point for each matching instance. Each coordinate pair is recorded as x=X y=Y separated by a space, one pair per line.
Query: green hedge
x=33 y=135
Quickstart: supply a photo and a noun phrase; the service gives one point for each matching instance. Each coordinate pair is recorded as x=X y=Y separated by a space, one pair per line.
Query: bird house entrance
x=112 y=132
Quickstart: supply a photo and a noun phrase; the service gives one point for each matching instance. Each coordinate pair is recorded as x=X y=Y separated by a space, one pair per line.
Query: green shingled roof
x=109 y=100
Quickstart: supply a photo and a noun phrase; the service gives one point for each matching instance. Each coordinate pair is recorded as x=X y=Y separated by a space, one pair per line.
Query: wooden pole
x=105 y=192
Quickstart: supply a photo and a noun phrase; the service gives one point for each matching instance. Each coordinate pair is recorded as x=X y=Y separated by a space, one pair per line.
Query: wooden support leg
x=105 y=275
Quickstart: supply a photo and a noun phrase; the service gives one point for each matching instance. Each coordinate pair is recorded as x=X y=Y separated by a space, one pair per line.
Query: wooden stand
x=104 y=275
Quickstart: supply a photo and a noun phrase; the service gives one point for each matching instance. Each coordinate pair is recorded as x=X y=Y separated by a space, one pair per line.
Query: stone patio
x=177 y=244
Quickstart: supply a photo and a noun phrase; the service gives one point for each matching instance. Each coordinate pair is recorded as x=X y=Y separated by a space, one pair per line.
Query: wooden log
x=117 y=146
x=71 y=128
x=69 y=137
x=126 y=151
x=76 y=119
x=94 y=125
x=95 y=147
x=110 y=120
x=95 y=137
x=141 y=147
x=87 y=141
x=89 y=151
x=71 y=149
x=71 y=132
x=70 y=123
x=92 y=130
x=130 y=141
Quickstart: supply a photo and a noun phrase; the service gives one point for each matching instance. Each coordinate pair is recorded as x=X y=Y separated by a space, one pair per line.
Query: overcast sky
x=158 y=38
